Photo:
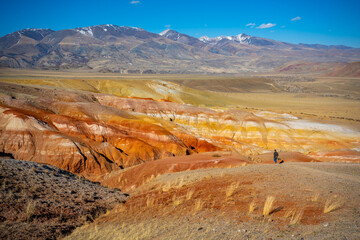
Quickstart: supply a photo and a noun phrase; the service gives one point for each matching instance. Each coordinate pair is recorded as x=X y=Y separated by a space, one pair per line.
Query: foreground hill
x=305 y=201
x=44 y=202
x=135 y=50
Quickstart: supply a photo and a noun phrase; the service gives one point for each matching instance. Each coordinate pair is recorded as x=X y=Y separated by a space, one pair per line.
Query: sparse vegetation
x=150 y=201
x=3 y=185
x=332 y=205
x=252 y=207
x=230 y=190
x=166 y=187
x=189 y=194
x=294 y=215
x=177 y=200
x=198 y=205
x=315 y=198
x=268 y=206
x=30 y=210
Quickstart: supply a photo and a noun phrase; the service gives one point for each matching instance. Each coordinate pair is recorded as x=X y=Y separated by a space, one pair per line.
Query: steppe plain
x=194 y=153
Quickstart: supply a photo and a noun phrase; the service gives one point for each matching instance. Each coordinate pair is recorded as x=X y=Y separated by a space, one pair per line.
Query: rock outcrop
x=73 y=131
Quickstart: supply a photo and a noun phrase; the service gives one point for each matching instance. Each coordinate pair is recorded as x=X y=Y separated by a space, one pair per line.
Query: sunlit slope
x=155 y=89
x=72 y=130
x=87 y=127
x=248 y=133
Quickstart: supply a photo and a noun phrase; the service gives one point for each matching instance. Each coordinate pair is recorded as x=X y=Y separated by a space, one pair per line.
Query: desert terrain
x=190 y=156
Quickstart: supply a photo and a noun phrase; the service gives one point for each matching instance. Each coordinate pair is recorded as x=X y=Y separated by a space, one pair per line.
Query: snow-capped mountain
x=134 y=50
x=245 y=39
x=100 y=31
x=183 y=38
x=241 y=38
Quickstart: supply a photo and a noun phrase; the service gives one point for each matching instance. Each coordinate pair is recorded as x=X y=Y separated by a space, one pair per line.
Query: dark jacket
x=276 y=154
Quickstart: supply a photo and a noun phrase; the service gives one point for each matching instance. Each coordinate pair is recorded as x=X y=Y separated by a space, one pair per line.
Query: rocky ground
x=44 y=202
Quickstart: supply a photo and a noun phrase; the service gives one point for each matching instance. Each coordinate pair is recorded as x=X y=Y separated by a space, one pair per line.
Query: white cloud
x=134 y=2
x=266 y=25
x=296 y=18
x=168 y=26
x=250 y=25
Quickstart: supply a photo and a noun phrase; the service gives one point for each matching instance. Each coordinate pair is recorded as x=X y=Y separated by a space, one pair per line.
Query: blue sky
x=303 y=21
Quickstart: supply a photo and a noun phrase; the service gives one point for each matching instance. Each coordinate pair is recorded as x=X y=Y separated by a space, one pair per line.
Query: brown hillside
x=349 y=70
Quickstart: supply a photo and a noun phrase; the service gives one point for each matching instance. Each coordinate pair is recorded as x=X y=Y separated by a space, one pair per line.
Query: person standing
x=276 y=156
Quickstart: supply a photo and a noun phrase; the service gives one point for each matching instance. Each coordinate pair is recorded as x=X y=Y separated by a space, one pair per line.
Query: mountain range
x=111 y=48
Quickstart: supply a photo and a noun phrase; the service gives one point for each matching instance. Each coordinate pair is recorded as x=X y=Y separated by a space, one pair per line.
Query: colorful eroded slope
x=83 y=127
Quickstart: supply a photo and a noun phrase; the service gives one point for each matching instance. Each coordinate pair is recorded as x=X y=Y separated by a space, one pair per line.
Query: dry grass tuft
x=150 y=201
x=166 y=187
x=190 y=193
x=332 y=205
x=252 y=207
x=198 y=205
x=3 y=186
x=315 y=198
x=177 y=201
x=180 y=183
x=268 y=205
x=152 y=177
x=294 y=215
x=231 y=189
x=30 y=210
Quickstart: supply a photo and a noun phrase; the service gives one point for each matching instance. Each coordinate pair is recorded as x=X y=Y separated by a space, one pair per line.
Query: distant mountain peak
x=33 y=33
x=165 y=32
x=88 y=31
x=180 y=37
x=173 y=35
x=240 y=38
